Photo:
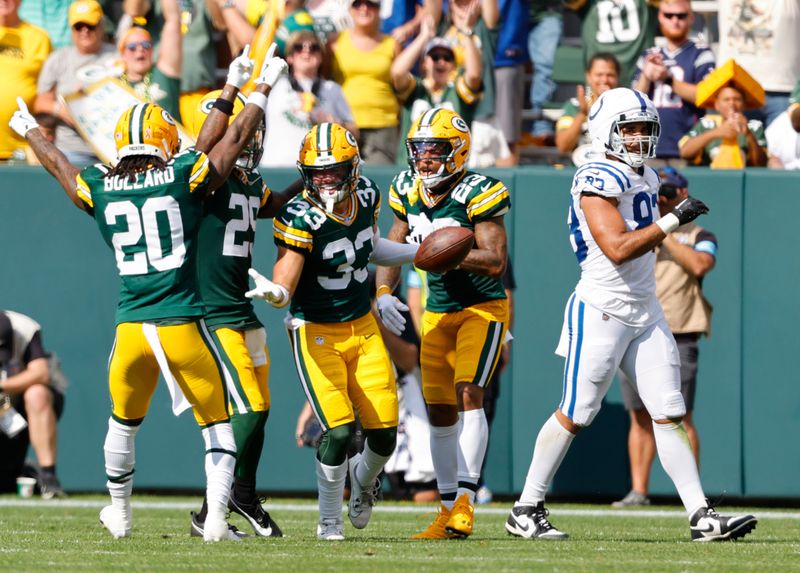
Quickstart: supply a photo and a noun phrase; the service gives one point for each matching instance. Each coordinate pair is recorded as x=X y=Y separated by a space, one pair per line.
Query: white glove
x=273 y=293
x=22 y=121
x=389 y=308
x=241 y=69
x=272 y=68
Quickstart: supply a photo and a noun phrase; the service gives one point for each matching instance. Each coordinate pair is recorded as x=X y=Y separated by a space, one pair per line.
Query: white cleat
x=115 y=522
x=330 y=530
x=530 y=522
x=359 y=509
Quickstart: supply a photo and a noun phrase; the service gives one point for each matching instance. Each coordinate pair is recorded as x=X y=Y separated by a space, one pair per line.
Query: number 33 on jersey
x=333 y=286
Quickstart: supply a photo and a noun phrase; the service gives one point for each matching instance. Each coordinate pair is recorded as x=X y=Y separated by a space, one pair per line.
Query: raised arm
x=215 y=125
x=239 y=31
x=407 y=59
x=223 y=156
x=170 y=52
x=56 y=163
x=465 y=16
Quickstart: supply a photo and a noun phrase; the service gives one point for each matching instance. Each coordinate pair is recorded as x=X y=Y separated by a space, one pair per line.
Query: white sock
x=120 y=457
x=220 y=463
x=677 y=458
x=551 y=446
x=370 y=465
x=330 y=484
x=444 y=451
x=473 y=436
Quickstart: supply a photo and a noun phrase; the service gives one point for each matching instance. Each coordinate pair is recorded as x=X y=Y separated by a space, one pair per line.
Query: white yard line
x=382 y=508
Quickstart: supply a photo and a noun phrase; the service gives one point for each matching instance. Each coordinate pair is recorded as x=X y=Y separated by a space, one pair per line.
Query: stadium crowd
x=504 y=65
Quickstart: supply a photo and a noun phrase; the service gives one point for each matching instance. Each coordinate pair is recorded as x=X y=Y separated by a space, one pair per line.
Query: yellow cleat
x=436 y=529
x=462 y=518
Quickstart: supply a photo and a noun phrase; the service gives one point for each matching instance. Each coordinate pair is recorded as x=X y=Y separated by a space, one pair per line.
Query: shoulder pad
x=600 y=178
x=403 y=182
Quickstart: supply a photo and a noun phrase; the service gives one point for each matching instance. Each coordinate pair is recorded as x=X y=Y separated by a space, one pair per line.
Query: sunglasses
x=81 y=26
x=678 y=15
x=145 y=45
x=439 y=56
x=311 y=47
x=359 y=3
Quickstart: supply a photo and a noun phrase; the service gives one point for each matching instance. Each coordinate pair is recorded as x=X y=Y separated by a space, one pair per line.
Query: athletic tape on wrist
x=383 y=289
x=259 y=99
x=668 y=223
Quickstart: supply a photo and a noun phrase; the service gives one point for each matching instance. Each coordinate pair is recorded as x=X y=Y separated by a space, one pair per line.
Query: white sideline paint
x=384 y=508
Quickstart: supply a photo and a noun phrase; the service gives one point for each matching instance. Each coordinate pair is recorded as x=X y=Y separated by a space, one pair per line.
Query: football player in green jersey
x=227 y=235
x=325 y=238
x=148 y=208
x=466 y=314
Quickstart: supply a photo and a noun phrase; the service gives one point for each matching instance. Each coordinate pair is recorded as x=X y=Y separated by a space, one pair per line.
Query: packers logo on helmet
x=250 y=156
x=438 y=146
x=330 y=163
x=146 y=129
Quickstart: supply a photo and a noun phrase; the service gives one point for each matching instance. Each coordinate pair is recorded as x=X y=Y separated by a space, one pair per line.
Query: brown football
x=444 y=249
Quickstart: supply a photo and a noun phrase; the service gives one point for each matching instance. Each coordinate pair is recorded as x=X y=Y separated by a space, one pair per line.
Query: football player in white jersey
x=613 y=319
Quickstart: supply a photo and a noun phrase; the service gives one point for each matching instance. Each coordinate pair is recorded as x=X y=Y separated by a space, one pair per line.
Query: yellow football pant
x=461 y=346
x=186 y=351
x=342 y=365
x=246 y=358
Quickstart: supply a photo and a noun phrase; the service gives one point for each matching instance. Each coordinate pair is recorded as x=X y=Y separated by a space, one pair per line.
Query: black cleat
x=50 y=487
x=530 y=521
x=259 y=519
x=707 y=525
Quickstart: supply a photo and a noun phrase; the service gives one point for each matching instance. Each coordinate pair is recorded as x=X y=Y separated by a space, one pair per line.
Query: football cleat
x=462 y=518
x=330 y=530
x=359 y=509
x=116 y=522
x=263 y=525
x=436 y=530
x=197 y=529
x=530 y=522
x=707 y=525
x=632 y=499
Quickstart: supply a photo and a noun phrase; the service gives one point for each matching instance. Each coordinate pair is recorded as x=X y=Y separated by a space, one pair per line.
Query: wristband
x=258 y=99
x=223 y=105
x=382 y=290
x=668 y=223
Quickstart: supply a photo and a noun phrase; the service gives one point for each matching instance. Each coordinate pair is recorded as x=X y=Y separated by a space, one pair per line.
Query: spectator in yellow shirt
x=23 y=50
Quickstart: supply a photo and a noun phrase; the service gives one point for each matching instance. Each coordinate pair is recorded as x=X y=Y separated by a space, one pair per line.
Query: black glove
x=689 y=209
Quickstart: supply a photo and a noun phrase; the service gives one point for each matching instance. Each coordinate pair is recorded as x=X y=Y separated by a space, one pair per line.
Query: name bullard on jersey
x=149 y=178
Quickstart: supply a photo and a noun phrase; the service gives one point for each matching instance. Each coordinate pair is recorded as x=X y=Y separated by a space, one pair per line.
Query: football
x=444 y=249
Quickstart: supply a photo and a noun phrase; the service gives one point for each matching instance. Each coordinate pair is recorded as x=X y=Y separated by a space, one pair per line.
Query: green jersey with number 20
x=333 y=286
x=226 y=243
x=472 y=199
x=152 y=223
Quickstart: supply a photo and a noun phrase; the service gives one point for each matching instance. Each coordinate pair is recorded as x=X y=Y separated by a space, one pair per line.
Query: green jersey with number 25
x=472 y=199
x=333 y=286
x=226 y=246
x=152 y=223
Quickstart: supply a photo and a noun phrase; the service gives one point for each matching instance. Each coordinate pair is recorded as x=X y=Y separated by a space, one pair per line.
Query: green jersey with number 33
x=472 y=199
x=152 y=225
x=334 y=285
x=226 y=246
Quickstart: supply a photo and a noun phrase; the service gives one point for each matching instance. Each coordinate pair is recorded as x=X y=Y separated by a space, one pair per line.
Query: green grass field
x=67 y=536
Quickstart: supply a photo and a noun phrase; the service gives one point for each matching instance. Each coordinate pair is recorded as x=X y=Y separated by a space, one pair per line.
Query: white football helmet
x=615 y=109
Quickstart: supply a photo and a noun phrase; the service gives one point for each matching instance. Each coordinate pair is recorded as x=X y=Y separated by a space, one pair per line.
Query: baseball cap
x=671 y=181
x=85 y=11
x=6 y=338
x=439 y=43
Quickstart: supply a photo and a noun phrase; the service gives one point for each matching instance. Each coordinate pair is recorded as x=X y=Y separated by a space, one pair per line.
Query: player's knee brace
x=333 y=446
x=382 y=441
